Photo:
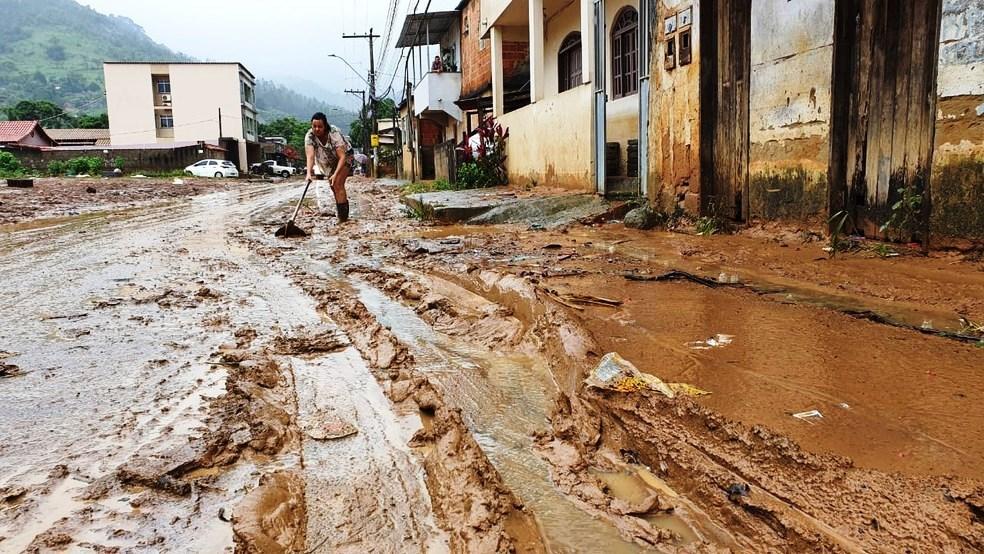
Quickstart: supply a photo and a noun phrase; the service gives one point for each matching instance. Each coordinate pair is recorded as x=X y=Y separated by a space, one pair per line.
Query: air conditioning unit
x=166 y=98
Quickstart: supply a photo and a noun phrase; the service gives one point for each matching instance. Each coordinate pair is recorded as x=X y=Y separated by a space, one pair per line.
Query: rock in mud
x=271 y=519
x=326 y=425
x=642 y=218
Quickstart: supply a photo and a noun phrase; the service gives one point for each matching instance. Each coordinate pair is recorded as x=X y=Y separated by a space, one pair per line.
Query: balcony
x=437 y=92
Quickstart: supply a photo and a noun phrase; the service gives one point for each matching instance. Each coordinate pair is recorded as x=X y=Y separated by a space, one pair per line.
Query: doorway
x=883 y=119
x=725 y=30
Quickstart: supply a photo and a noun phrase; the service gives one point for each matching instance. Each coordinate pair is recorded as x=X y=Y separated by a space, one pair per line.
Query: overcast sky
x=276 y=40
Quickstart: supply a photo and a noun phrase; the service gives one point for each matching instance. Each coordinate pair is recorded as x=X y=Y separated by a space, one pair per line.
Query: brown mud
x=386 y=385
x=51 y=198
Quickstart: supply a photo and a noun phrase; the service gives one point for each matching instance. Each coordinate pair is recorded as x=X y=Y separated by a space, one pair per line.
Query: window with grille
x=164 y=86
x=167 y=121
x=569 y=62
x=625 y=53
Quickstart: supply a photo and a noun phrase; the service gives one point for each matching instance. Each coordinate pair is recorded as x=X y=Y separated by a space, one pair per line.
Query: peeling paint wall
x=789 y=112
x=674 y=115
x=958 y=160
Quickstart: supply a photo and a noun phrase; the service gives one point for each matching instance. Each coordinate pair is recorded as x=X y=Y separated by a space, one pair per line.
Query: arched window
x=569 y=62
x=625 y=53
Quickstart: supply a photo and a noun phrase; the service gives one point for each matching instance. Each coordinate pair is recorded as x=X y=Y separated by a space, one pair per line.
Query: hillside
x=54 y=50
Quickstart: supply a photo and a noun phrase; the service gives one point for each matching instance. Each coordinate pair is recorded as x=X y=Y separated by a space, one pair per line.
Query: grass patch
x=420 y=187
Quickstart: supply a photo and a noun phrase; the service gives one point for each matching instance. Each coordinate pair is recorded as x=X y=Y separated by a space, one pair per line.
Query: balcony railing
x=437 y=92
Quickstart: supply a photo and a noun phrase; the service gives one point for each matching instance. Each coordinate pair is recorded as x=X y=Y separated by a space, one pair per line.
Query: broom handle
x=303 y=194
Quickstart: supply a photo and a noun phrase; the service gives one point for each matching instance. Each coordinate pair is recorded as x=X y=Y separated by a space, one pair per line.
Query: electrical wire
x=64 y=112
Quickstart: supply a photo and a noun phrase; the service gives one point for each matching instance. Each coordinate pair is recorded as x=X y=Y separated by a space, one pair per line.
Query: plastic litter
x=809 y=415
x=716 y=341
x=178 y=181
x=618 y=374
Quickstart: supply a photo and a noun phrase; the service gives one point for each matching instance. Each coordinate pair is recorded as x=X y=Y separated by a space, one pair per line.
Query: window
x=163 y=86
x=201 y=164
x=569 y=62
x=625 y=59
x=167 y=121
x=213 y=162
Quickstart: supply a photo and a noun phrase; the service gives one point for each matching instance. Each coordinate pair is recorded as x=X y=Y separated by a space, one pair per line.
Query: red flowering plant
x=482 y=156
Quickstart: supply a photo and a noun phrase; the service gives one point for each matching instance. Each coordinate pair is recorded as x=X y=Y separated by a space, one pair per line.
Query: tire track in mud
x=472 y=505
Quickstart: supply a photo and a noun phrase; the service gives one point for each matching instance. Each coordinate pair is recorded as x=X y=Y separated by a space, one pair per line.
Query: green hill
x=54 y=50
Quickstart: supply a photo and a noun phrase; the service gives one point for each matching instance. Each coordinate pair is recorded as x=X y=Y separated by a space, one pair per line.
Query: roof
x=461 y=5
x=165 y=62
x=60 y=135
x=151 y=146
x=421 y=29
x=15 y=131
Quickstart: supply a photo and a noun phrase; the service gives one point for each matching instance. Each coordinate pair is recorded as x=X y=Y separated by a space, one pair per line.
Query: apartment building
x=184 y=102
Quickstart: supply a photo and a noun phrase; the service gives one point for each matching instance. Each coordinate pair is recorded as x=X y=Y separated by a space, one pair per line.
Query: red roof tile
x=14 y=131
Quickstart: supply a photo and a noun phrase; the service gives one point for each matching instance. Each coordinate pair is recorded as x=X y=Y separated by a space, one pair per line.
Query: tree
x=86 y=121
x=290 y=128
x=30 y=110
x=385 y=108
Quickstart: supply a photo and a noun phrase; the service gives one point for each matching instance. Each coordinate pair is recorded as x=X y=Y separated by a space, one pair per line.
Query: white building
x=181 y=102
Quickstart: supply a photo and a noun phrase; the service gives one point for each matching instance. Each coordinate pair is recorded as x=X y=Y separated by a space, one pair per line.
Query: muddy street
x=177 y=379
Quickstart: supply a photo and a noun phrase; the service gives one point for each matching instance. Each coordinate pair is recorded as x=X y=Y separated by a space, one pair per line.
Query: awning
x=422 y=29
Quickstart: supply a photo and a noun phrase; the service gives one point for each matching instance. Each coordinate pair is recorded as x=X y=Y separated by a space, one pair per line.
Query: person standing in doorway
x=329 y=154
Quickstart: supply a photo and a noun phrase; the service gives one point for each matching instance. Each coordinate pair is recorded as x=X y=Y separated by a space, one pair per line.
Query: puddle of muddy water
x=890 y=399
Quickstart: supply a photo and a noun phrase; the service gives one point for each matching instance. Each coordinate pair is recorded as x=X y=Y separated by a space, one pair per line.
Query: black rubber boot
x=343 y=210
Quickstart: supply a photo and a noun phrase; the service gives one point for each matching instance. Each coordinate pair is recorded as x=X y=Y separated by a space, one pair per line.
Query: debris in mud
x=310 y=341
x=9 y=370
x=425 y=246
x=738 y=490
x=618 y=374
x=324 y=426
x=808 y=415
x=717 y=341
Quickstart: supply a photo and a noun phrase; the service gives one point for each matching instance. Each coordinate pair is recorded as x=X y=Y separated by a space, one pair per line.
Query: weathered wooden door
x=725 y=46
x=883 y=120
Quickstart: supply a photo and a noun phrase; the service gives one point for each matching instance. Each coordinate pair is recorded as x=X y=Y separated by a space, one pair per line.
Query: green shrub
x=57 y=168
x=472 y=176
x=90 y=165
x=118 y=162
x=10 y=166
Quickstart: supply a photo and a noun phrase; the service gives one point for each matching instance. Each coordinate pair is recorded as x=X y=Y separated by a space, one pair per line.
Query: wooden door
x=726 y=52
x=884 y=102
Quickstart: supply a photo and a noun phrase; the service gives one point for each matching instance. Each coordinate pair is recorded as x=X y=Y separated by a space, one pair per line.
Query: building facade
x=159 y=103
x=753 y=109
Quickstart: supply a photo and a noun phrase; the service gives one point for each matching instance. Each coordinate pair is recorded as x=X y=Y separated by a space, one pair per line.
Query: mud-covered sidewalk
x=177 y=379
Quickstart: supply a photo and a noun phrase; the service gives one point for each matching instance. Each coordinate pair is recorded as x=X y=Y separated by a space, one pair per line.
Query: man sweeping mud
x=329 y=151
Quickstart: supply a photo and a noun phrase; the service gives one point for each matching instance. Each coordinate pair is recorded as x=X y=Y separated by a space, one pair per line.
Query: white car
x=213 y=168
x=272 y=167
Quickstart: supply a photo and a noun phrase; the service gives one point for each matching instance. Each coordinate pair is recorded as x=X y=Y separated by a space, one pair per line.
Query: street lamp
x=354 y=70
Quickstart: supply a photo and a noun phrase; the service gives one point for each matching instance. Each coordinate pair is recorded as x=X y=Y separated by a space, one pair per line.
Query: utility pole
x=362 y=118
x=372 y=93
x=220 y=126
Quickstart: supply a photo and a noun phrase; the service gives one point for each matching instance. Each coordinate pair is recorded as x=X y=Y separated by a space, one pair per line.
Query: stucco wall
x=130 y=104
x=789 y=107
x=555 y=30
x=674 y=120
x=198 y=91
x=549 y=143
x=958 y=160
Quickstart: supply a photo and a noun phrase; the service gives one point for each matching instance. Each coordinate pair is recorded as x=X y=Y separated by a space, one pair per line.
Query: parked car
x=272 y=167
x=213 y=168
